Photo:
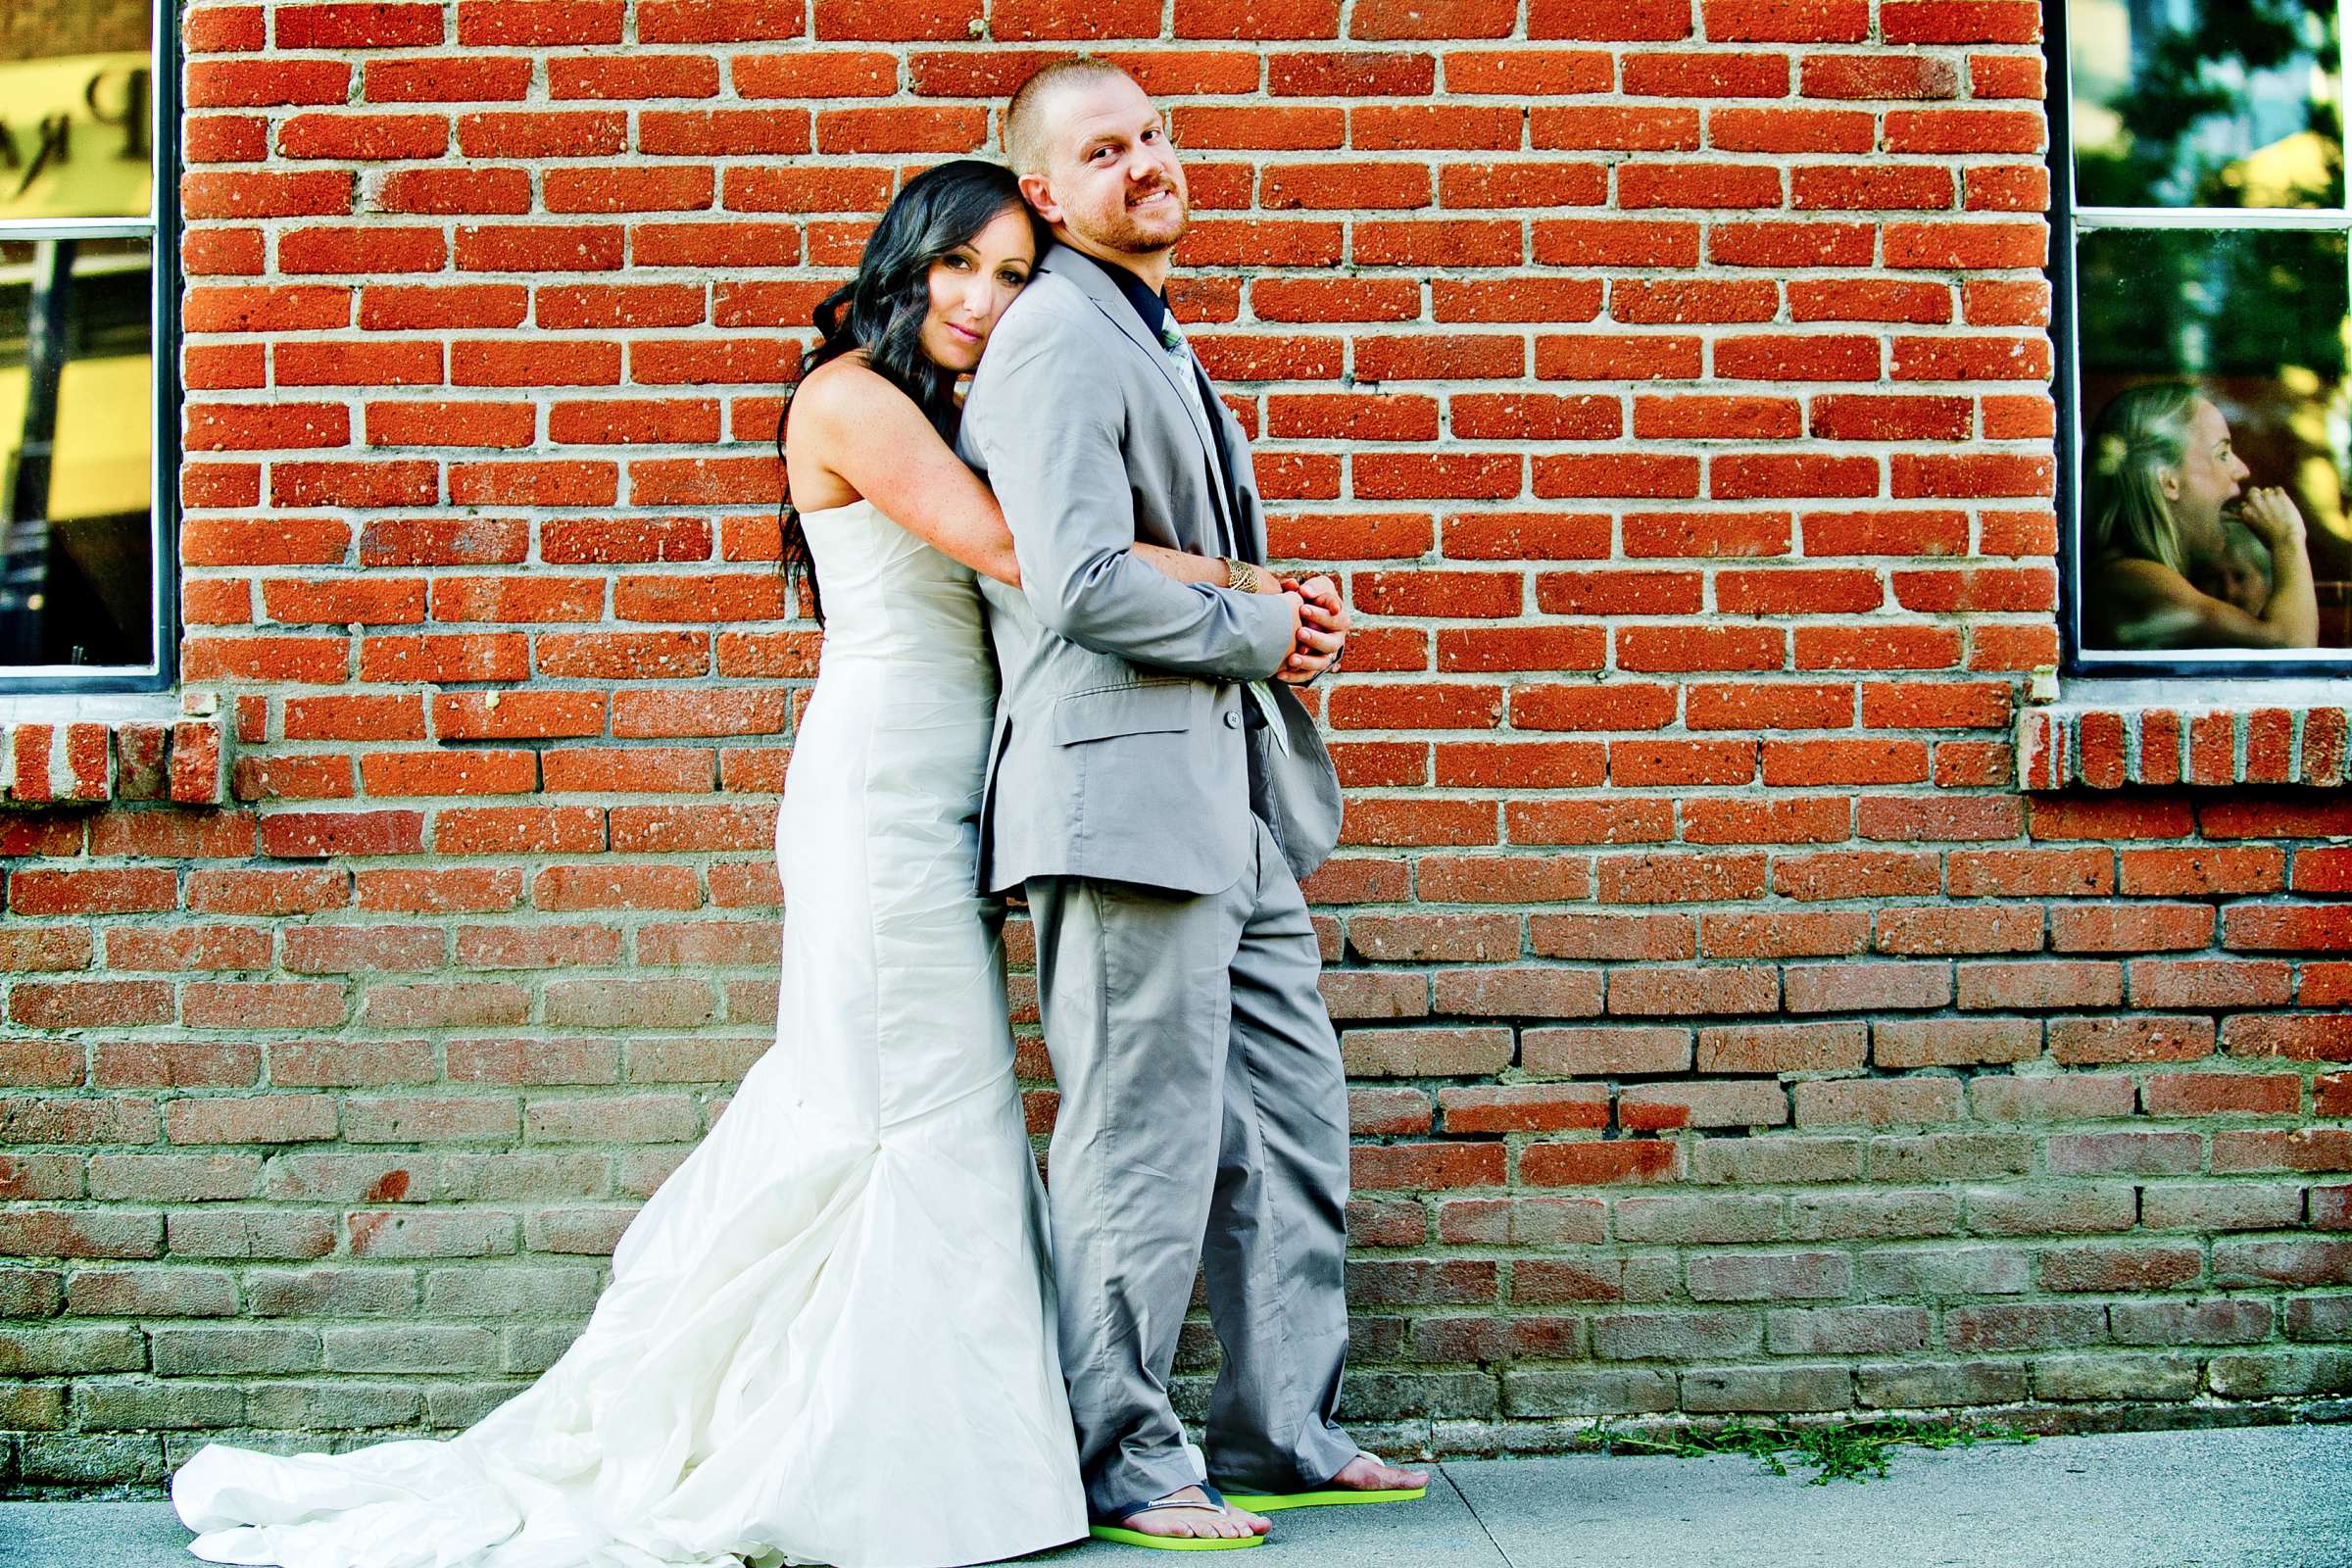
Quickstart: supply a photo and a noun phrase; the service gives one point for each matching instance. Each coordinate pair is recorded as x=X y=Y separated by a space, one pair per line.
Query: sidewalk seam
x=1472 y=1509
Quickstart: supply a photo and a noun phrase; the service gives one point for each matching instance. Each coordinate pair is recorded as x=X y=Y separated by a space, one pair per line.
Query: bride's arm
x=873 y=436
x=1185 y=567
x=878 y=442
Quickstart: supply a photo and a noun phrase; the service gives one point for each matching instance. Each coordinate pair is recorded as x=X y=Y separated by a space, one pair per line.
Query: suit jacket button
x=1233 y=721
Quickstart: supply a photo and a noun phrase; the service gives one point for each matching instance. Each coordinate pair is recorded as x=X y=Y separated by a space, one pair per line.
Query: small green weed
x=1853 y=1451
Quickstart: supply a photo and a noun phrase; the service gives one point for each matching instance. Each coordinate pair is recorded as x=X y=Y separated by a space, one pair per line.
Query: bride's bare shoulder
x=857 y=414
x=845 y=389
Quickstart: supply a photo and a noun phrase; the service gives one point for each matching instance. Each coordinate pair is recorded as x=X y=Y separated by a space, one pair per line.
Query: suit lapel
x=1088 y=274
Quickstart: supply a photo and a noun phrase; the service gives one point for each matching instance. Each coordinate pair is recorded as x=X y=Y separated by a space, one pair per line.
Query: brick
x=121 y=1233
x=2222 y=1094
x=651 y=77
x=1422 y=1167
x=2306 y=1262
x=2219 y=1205
x=1576 y=1164
x=1621 y=128
x=1846 y=1331
x=1748 y=1277
x=1523 y=1107
x=1425 y=1053
x=1937 y=22
x=39 y=1352
x=1674 y=1336
x=266 y=83
x=264 y=1118
x=2256 y=1375
x=41 y=892
x=2119 y=1269
x=1522 y=1221
x=1710 y=76
x=1388 y=1111
x=1699 y=186
x=1876 y=1104
x=1518 y=184
x=89 y=1004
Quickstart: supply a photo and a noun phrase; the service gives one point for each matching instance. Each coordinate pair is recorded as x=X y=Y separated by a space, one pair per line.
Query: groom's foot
x=1198 y=1523
x=1364 y=1473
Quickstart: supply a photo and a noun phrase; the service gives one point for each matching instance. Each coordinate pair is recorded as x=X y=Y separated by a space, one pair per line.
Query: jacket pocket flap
x=1123 y=710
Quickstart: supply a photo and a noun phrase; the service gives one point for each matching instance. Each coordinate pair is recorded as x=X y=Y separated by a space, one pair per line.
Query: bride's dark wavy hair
x=883 y=308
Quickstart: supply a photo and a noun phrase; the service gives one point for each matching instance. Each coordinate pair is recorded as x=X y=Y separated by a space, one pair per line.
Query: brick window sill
x=58 y=750
x=2109 y=734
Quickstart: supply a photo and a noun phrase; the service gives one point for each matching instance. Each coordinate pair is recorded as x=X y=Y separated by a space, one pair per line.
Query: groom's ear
x=1038 y=189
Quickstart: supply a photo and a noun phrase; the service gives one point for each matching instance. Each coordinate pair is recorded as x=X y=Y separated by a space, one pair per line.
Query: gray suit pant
x=1204 y=1121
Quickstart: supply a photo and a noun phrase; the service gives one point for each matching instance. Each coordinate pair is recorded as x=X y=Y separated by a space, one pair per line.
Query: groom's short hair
x=1028 y=132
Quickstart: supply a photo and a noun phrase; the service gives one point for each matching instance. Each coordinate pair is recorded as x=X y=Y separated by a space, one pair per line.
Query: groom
x=1158 y=791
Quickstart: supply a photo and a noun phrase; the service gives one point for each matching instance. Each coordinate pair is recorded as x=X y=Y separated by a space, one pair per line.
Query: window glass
x=2255 y=321
x=2206 y=103
x=78 y=572
x=74 y=137
x=2211 y=286
x=79 y=594
x=76 y=459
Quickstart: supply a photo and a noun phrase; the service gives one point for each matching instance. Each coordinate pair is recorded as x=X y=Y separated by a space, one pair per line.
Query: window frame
x=2075 y=661
x=162 y=227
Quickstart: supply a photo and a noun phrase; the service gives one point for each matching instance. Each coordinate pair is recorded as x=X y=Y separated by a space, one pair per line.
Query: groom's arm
x=1046 y=427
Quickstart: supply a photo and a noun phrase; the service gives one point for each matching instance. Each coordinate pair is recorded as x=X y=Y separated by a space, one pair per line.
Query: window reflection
x=78 y=579
x=2214 y=368
x=2206 y=103
x=74 y=83
x=76 y=426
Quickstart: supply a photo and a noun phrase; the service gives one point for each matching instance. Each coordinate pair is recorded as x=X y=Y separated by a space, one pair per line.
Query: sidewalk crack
x=1472 y=1509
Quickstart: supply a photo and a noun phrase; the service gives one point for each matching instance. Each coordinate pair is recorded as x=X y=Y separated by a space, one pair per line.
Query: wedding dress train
x=828 y=1335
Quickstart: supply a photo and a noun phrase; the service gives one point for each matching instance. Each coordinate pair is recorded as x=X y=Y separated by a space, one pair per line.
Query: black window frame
x=2066 y=393
x=162 y=227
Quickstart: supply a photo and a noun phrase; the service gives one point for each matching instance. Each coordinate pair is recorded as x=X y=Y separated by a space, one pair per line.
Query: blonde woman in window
x=2160 y=473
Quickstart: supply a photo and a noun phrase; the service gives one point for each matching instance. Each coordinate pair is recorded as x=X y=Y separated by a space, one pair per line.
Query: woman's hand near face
x=2292 y=615
x=2273 y=518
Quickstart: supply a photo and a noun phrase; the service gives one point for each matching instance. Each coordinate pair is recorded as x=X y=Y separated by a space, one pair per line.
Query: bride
x=829 y=1336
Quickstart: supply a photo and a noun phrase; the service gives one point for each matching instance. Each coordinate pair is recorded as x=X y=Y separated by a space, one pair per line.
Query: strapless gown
x=828 y=1335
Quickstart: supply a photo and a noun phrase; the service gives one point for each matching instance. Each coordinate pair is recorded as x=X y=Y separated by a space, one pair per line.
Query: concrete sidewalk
x=2247 y=1497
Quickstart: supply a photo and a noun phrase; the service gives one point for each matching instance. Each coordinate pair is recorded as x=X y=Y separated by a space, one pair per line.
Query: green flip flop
x=1325 y=1497
x=1136 y=1537
x=1277 y=1501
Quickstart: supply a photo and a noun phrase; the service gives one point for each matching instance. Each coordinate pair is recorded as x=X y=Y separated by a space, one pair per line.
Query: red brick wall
x=1667 y=379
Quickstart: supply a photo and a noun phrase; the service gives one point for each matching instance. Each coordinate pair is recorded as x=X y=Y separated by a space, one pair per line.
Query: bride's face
x=971 y=285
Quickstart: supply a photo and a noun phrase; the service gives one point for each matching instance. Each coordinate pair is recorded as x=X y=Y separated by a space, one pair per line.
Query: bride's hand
x=1320 y=635
x=1319 y=590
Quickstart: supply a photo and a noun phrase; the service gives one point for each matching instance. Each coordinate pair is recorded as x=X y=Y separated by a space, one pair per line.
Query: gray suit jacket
x=1121 y=749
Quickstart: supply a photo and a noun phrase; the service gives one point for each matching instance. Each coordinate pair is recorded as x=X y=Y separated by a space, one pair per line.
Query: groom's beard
x=1131 y=238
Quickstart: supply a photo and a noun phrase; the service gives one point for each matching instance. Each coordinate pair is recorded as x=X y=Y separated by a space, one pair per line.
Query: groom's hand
x=1323 y=627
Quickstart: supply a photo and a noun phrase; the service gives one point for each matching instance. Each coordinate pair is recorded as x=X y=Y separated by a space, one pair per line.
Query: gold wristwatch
x=1242 y=576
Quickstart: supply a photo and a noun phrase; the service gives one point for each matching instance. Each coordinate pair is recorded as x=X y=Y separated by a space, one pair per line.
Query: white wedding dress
x=828 y=1336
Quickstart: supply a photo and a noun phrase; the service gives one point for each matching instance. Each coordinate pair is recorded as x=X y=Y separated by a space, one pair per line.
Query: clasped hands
x=1321 y=628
